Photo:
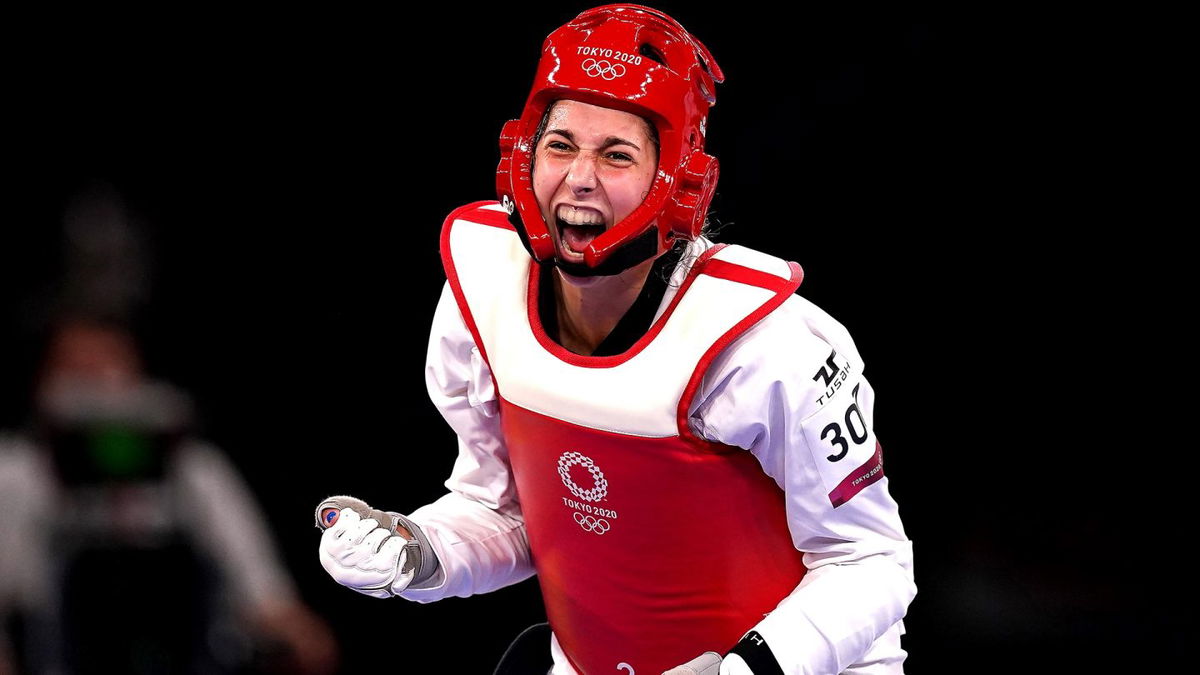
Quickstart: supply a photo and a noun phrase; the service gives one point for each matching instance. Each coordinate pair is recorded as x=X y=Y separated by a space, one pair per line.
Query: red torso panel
x=649 y=551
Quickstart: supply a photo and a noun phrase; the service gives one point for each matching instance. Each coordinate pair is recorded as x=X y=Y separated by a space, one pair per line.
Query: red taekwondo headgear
x=639 y=60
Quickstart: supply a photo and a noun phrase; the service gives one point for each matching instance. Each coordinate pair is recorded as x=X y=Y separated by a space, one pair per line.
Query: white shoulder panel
x=756 y=260
x=639 y=396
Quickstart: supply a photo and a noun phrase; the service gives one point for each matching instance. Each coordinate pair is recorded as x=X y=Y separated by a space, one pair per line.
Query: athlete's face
x=592 y=167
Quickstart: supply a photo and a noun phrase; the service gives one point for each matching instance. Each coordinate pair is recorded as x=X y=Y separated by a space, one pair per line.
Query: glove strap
x=422 y=561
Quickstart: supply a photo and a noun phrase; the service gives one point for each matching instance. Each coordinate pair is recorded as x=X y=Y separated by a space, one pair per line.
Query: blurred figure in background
x=118 y=551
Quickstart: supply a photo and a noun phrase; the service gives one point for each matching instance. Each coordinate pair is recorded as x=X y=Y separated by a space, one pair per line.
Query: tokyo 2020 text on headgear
x=636 y=59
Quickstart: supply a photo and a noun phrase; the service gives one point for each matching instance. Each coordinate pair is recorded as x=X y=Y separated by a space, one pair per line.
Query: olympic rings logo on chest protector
x=609 y=71
x=592 y=524
x=570 y=459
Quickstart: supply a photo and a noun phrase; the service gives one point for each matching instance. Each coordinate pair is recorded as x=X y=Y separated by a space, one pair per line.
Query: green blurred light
x=120 y=451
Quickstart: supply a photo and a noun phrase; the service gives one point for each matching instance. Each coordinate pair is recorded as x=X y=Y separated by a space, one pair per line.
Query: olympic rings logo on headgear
x=590 y=524
x=609 y=71
x=570 y=459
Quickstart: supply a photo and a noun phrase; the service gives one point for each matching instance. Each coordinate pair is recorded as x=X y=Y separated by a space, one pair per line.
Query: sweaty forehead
x=589 y=123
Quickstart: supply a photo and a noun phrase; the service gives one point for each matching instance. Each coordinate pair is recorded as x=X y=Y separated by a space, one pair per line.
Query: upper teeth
x=576 y=216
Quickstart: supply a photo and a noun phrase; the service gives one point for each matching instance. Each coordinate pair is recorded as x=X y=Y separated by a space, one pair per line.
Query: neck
x=589 y=308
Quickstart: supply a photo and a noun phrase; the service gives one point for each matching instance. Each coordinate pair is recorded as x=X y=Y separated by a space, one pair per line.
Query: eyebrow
x=608 y=142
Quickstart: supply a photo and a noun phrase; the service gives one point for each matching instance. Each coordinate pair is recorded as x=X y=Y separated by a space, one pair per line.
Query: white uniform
x=789 y=390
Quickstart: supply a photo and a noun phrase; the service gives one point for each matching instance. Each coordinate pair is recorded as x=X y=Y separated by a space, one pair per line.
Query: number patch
x=840 y=439
x=855 y=426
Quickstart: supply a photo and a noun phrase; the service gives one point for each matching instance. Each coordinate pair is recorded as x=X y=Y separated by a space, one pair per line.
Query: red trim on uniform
x=858 y=479
x=723 y=269
x=452 y=273
x=539 y=332
x=783 y=289
x=493 y=218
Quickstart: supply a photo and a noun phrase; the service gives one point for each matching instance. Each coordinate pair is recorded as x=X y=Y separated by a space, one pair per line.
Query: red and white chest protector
x=651 y=544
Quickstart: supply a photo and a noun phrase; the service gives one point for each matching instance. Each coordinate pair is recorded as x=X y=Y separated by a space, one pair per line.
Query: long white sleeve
x=766 y=393
x=477 y=529
x=27 y=500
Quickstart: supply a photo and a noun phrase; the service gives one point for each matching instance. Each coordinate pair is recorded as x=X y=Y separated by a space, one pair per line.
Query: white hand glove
x=362 y=556
x=711 y=663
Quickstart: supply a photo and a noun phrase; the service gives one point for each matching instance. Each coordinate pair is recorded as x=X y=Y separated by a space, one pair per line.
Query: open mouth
x=578 y=226
x=577 y=237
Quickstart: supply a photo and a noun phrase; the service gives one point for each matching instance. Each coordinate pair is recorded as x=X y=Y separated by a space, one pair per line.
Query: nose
x=582 y=176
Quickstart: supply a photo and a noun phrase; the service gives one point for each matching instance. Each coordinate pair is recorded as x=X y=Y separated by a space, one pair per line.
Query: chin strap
x=635 y=252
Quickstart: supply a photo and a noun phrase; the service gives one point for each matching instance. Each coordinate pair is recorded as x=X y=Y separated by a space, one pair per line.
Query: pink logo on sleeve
x=859 y=478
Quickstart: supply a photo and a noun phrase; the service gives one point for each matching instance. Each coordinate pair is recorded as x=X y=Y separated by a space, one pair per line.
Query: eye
x=557 y=145
x=620 y=156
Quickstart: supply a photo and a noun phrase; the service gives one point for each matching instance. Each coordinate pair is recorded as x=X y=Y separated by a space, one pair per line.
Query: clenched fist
x=361 y=555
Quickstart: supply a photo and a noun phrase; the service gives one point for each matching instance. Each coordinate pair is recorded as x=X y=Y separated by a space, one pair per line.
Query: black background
x=291 y=173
